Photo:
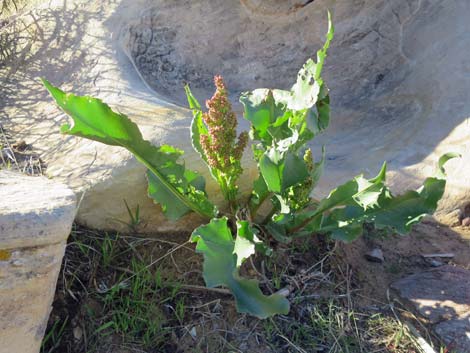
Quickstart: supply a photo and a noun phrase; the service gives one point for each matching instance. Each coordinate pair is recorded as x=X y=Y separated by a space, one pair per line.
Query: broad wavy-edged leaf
x=175 y=188
x=280 y=171
x=318 y=119
x=221 y=260
x=309 y=87
x=323 y=109
x=394 y=213
x=247 y=243
x=262 y=111
x=262 y=105
x=259 y=194
x=359 y=191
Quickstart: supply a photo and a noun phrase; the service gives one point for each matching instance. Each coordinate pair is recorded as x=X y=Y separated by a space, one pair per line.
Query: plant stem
x=303 y=224
x=269 y=215
x=255 y=208
x=141 y=157
x=229 y=192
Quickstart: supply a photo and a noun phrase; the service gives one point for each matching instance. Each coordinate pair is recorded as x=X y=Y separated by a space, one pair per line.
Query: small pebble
x=193 y=332
x=375 y=255
x=435 y=263
x=466 y=222
x=77 y=333
x=284 y=292
x=17 y=263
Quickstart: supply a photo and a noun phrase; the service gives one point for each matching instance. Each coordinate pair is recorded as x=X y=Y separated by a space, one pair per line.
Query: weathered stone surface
x=442 y=296
x=36 y=216
x=393 y=95
x=466 y=222
x=34 y=211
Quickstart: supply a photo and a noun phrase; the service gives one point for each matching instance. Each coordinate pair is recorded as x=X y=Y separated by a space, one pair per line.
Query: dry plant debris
x=19 y=156
x=126 y=293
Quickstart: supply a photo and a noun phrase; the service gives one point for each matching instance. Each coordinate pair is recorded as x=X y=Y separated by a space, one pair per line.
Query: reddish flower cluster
x=221 y=149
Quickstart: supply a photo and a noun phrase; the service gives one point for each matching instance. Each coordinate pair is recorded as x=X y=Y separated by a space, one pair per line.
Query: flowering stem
x=222 y=150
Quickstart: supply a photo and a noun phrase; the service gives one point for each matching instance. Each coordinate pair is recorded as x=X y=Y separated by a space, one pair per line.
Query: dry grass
x=19 y=156
x=133 y=294
x=9 y=7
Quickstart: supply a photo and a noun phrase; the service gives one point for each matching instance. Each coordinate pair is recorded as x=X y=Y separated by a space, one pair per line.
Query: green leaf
x=258 y=195
x=321 y=54
x=360 y=190
x=220 y=268
x=281 y=225
x=318 y=119
x=281 y=171
x=294 y=116
x=318 y=168
x=192 y=101
x=244 y=245
x=323 y=108
x=305 y=92
x=278 y=229
x=441 y=173
x=271 y=166
x=393 y=213
x=160 y=193
x=295 y=170
x=262 y=111
x=198 y=128
x=178 y=190
x=247 y=243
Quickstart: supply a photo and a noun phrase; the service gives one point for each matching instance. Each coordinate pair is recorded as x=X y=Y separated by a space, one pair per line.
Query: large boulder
x=396 y=70
x=36 y=216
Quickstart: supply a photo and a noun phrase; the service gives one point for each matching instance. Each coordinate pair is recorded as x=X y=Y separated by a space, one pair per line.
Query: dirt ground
x=403 y=255
x=339 y=300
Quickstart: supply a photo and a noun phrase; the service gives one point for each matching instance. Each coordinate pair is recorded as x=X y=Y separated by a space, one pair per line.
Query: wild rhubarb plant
x=282 y=124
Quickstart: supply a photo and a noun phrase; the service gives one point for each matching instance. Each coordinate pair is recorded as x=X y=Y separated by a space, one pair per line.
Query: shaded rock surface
x=393 y=95
x=441 y=296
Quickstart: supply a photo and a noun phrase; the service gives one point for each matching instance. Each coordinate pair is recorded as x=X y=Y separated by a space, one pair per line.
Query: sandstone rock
x=453 y=218
x=442 y=296
x=466 y=222
x=388 y=70
x=36 y=216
